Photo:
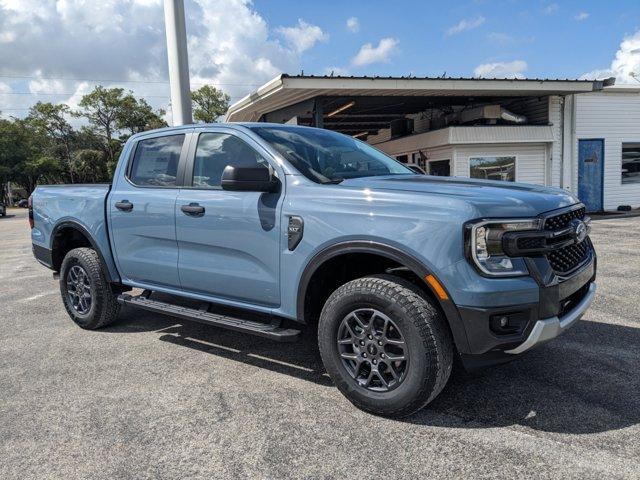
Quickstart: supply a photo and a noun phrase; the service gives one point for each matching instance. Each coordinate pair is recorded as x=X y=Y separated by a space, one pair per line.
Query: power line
x=221 y=84
x=68 y=94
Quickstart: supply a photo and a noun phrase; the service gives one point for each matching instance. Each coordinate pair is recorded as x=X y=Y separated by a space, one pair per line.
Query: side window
x=155 y=162
x=631 y=163
x=217 y=150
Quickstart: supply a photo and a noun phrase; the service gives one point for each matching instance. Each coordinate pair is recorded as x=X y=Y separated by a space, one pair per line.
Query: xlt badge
x=295 y=230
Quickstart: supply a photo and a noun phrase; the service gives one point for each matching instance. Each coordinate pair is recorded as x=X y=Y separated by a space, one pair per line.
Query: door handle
x=124 y=205
x=193 y=209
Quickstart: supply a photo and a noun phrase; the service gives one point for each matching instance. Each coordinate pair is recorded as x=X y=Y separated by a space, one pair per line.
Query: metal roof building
x=471 y=126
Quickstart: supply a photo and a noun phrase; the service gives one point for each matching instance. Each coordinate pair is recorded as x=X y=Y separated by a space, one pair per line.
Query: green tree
x=209 y=104
x=51 y=120
x=90 y=165
x=36 y=170
x=21 y=155
x=112 y=112
x=102 y=107
x=136 y=115
x=44 y=147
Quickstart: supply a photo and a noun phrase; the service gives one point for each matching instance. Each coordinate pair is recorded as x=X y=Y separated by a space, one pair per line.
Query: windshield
x=328 y=157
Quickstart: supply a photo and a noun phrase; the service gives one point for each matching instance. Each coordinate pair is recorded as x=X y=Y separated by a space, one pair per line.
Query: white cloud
x=498 y=37
x=5 y=88
x=44 y=85
x=303 y=36
x=625 y=66
x=581 y=16
x=465 y=24
x=353 y=24
x=550 y=9
x=114 y=41
x=513 y=69
x=381 y=53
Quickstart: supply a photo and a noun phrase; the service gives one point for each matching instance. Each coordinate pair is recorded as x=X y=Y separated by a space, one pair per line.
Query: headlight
x=484 y=243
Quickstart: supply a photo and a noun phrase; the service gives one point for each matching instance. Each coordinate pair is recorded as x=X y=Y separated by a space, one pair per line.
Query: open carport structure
x=471 y=126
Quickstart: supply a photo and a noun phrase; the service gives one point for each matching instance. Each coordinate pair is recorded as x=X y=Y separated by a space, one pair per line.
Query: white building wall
x=530 y=159
x=440 y=153
x=615 y=117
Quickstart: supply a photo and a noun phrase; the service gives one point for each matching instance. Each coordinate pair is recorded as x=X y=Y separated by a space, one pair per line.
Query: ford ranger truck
x=262 y=227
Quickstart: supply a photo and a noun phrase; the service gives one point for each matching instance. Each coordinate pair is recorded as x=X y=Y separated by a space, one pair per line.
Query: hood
x=489 y=198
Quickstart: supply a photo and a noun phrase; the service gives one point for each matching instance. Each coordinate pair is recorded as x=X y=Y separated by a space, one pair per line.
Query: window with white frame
x=493 y=168
x=631 y=162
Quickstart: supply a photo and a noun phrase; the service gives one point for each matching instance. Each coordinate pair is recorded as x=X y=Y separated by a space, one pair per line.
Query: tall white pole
x=178 y=61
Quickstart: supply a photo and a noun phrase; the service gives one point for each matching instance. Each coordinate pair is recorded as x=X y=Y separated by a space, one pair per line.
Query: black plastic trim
x=295 y=231
x=272 y=330
x=393 y=253
x=43 y=255
x=553 y=293
x=476 y=322
x=94 y=245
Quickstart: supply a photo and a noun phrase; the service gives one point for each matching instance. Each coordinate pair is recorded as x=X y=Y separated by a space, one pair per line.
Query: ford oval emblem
x=579 y=230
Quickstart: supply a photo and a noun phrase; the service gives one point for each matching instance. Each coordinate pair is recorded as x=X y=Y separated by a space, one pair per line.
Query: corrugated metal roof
x=286 y=90
x=413 y=77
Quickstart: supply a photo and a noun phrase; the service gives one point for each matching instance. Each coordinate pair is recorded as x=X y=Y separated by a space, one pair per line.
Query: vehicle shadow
x=586 y=381
x=6 y=217
x=300 y=359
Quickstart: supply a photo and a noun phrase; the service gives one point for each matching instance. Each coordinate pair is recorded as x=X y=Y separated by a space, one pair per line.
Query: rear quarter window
x=155 y=161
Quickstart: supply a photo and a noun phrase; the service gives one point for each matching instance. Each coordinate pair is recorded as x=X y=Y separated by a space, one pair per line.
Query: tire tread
x=107 y=306
x=429 y=322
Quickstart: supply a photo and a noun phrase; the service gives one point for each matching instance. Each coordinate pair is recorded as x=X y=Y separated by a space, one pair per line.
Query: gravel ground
x=153 y=397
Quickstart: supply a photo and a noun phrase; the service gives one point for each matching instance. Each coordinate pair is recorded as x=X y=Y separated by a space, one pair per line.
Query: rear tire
x=363 y=360
x=86 y=293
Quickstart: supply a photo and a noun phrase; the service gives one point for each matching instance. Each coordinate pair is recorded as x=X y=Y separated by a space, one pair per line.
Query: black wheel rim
x=79 y=289
x=372 y=350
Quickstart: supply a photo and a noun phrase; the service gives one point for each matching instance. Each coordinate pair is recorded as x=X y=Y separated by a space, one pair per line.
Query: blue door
x=142 y=210
x=590 y=172
x=230 y=249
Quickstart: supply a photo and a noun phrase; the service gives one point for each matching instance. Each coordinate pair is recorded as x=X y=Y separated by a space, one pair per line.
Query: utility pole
x=178 y=62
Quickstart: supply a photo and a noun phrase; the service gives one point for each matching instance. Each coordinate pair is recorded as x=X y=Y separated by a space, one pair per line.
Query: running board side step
x=272 y=330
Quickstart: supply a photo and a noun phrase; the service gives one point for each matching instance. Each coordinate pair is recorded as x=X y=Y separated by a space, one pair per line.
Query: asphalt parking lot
x=151 y=396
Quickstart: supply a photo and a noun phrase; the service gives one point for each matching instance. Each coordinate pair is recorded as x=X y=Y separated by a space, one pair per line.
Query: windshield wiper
x=334 y=181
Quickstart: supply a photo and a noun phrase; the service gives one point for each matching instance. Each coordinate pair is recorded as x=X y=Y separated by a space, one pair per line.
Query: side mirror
x=248 y=179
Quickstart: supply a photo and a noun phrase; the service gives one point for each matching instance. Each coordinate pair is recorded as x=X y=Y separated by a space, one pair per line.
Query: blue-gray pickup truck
x=262 y=227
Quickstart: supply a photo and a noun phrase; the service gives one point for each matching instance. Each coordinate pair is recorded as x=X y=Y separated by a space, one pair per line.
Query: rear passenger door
x=230 y=250
x=142 y=210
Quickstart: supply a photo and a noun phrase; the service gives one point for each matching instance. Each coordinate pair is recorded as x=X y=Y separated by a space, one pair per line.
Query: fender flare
x=94 y=245
x=418 y=268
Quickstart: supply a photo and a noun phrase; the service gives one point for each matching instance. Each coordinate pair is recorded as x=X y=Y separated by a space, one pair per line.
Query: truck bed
x=83 y=205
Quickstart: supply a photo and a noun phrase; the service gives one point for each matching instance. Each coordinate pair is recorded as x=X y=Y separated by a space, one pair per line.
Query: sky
x=58 y=50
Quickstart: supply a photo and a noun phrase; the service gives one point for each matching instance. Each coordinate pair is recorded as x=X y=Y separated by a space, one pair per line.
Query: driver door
x=229 y=243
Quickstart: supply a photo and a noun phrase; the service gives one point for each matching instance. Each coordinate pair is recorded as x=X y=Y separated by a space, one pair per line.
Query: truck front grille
x=564 y=219
x=568 y=258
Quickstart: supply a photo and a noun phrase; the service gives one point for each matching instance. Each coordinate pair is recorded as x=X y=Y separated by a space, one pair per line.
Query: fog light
x=508 y=323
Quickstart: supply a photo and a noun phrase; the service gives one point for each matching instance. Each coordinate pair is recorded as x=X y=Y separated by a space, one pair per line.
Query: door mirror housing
x=249 y=179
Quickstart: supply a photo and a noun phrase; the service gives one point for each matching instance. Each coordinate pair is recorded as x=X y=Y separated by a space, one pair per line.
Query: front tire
x=385 y=345
x=86 y=293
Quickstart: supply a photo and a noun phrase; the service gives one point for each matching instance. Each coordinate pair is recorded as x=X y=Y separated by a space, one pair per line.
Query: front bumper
x=549 y=328
x=561 y=303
